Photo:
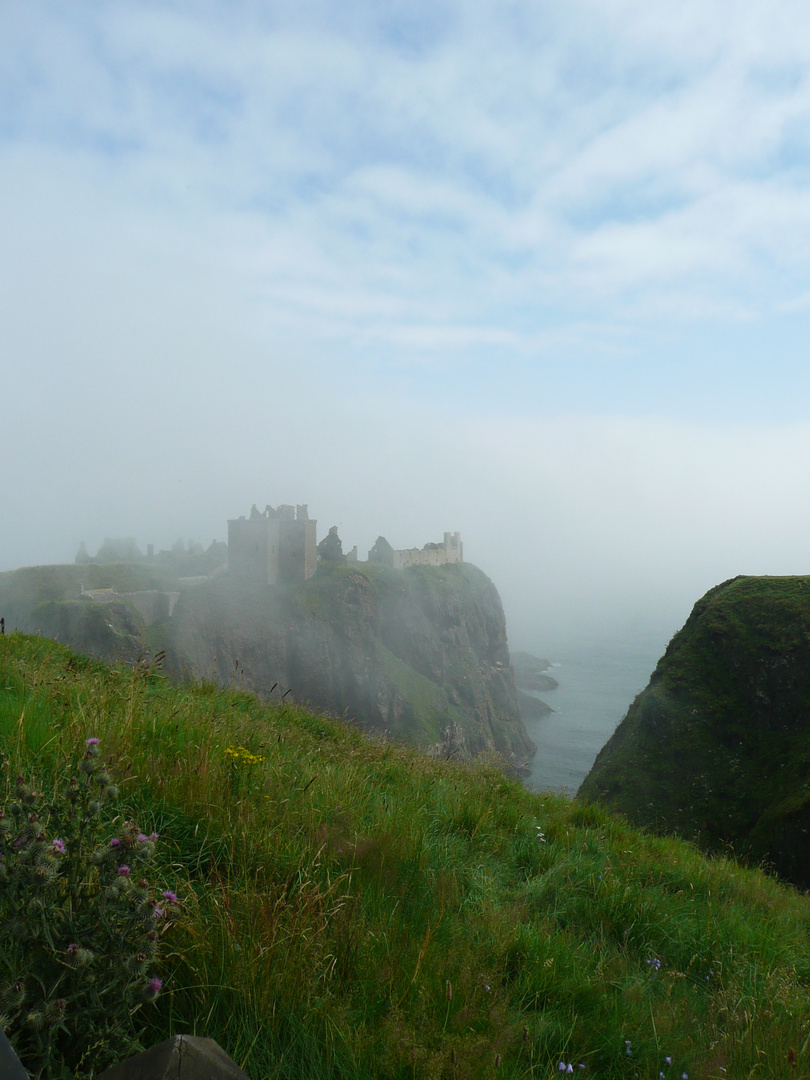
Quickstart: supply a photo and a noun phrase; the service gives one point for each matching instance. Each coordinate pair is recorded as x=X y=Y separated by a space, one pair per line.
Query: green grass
x=357 y=910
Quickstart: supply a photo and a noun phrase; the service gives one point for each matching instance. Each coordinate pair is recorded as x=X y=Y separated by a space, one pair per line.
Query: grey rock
x=10 y=1065
x=532 y=707
x=188 y=1056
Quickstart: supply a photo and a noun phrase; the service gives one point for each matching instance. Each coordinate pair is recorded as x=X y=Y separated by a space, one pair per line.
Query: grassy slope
x=355 y=909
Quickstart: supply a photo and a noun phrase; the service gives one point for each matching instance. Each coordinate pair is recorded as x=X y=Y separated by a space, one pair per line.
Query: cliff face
x=46 y=600
x=717 y=747
x=419 y=653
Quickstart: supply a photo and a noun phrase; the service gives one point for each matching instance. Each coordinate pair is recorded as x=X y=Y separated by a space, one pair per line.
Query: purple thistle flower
x=123 y=871
x=142 y=838
x=170 y=896
x=72 y=949
x=59 y=845
x=115 y=842
x=92 y=742
x=152 y=989
x=158 y=913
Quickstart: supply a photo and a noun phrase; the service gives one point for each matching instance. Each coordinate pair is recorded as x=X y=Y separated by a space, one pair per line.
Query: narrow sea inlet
x=599 y=677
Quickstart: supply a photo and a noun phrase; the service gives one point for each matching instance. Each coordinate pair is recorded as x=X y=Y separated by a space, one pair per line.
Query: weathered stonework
x=451 y=550
x=273 y=546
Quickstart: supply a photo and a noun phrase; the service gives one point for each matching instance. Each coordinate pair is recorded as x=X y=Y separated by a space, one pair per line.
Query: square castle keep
x=277 y=546
x=273 y=546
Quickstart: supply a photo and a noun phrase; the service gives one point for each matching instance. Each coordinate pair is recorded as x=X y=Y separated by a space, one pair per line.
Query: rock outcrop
x=717 y=747
x=419 y=654
x=532 y=678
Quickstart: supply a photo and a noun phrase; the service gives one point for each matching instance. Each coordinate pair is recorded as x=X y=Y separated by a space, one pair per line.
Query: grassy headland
x=355 y=909
x=716 y=749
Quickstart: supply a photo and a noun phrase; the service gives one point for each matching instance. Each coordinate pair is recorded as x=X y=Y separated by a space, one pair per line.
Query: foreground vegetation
x=352 y=909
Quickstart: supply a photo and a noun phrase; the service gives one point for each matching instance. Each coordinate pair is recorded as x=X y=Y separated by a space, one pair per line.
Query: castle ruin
x=450 y=550
x=277 y=546
x=272 y=547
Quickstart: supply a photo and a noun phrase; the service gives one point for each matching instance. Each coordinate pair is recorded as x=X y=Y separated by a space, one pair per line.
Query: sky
x=538 y=272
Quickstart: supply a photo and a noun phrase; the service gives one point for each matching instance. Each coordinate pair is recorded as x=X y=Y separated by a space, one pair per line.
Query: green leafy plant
x=80 y=925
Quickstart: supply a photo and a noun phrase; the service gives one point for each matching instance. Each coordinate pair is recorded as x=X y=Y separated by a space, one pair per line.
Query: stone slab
x=188 y=1056
x=10 y=1065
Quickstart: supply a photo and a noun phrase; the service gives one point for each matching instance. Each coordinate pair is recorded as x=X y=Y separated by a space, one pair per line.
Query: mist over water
x=599 y=676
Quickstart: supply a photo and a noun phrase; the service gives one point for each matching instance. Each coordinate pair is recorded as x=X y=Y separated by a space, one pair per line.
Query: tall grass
x=357 y=910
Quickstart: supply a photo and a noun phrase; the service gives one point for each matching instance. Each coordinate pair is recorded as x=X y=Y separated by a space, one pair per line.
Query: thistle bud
x=55 y=1011
x=80 y=957
x=13 y=995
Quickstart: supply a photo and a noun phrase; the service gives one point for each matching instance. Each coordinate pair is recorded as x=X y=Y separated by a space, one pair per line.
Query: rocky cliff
x=717 y=747
x=420 y=654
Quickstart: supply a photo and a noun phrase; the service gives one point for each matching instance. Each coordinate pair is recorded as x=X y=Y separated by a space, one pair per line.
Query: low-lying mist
x=586 y=526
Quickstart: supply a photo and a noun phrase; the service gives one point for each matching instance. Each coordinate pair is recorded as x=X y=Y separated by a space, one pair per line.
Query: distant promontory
x=411 y=644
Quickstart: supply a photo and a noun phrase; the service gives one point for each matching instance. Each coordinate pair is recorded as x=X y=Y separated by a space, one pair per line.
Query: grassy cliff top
x=717 y=747
x=356 y=909
x=753 y=616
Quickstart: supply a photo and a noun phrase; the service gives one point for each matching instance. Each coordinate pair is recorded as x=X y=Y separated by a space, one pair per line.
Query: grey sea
x=599 y=677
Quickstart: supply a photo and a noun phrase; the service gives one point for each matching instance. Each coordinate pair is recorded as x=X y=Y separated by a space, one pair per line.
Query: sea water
x=599 y=677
